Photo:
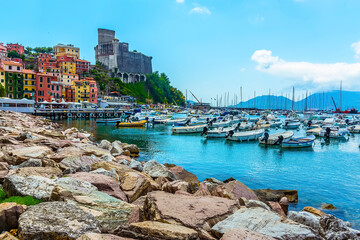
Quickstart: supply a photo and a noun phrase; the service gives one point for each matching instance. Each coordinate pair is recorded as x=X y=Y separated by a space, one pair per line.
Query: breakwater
x=92 y=189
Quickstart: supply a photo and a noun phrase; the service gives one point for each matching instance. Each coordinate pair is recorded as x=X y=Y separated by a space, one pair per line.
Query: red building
x=48 y=88
x=82 y=66
x=69 y=94
x=93 y=90
x=45 y=61
x=15 y=47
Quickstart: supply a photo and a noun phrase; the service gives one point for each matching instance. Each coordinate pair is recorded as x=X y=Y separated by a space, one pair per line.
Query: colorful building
x=15 y=47
x=70 y=50
x=29 y=86
x=3 y=51
x=46 y=61
x=82 y=66
x=43 y=87
x=13 y=79
x=85 y=90
x=2 y=76
x=66 y=64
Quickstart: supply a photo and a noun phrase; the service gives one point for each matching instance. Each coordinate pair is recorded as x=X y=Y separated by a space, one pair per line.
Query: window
x=48 y=80
x=18 y=68
x=57 y=87
x=10 y=67
x=19 y=89
x=52 y=87
x=2 y=73
x=41 y=79
x=48 y=86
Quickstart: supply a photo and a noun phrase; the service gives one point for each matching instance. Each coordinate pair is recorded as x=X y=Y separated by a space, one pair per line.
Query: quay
x=60 y=114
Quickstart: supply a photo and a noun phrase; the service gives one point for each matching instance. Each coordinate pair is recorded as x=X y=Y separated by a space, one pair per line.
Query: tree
x=2 y=91
x=13 y=54
x=22 y=56
x=28 y=50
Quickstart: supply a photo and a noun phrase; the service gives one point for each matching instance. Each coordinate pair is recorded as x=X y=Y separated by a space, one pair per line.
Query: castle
x=130 y=66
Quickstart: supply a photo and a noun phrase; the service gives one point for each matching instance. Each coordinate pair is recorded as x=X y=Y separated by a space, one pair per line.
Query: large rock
x=105 y=144
x=98 y=236
x=112 y=173
x=244 y=234
x=136 y=165
x=32 y=162
x=234 y=190
x=9 y=215
x=265 y=222
x=182 y=174
x=198 y=213
x=4 y=170
x=116 y=148
x=307 y=219
x=174 y=186
x=203 y=190
x=275 y=206
x=56 y=220
x=79 y=163
x=275 y=195
x=132 y=148
x=257 y=204
x=156 y=169
x=151 y=230
x=120 y=169
x=103 y=183
x=48 y=172
x=94 y=150
x=111 y=212
x=35 y=186
x=20 y=155
x=66 y=152
x=136 y=184
x=335 y=228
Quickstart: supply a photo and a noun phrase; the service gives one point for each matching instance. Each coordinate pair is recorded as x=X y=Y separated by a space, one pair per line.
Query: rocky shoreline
x=91 y=190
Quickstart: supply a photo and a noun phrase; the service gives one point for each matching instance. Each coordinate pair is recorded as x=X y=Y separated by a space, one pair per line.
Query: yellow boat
x=131 y=124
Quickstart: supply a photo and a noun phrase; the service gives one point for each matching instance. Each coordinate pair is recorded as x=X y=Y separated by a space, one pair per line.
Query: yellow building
x=2 y=77
x=84 y=90
x=29 y=85
x=62 y=49
x=67 y=67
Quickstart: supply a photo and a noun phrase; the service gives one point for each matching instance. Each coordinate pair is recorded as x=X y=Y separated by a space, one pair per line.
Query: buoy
x=78 y=115
x=69 y=115
x=92 y=115
x=116 y=114
x=101 y=115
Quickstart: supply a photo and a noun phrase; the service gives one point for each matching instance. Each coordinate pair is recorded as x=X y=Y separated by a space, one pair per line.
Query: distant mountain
x=314 y=101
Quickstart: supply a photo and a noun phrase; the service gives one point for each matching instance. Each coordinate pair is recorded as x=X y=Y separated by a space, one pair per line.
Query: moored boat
x=276 y=138
x=108 y=120
x=131 y=124
x=245 y=136
x=300 y=142
x=291 y=124
x=188 y=129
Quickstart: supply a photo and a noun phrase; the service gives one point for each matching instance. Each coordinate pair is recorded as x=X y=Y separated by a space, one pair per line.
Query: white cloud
x=314 y=74
x=356 y=47
x=200 y=10
x=180 y=1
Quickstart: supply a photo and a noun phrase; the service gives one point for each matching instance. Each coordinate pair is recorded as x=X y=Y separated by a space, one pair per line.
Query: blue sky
x=211 y=46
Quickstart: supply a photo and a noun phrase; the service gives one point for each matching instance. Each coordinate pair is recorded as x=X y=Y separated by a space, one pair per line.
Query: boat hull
x=299 y=142
x=131 y=124
x=187 y=130
x=246 y=136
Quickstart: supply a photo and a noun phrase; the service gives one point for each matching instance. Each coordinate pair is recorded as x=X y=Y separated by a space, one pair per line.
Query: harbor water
x=326 y=173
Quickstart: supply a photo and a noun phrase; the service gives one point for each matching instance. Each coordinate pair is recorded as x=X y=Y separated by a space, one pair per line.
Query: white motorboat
x=300 y=142
x=188 y=129
x=291 y=124
x=245 y=136
x=276 y=138
x=333 y=132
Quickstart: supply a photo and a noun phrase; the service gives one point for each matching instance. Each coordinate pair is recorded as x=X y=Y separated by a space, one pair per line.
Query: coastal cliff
x=59 y=184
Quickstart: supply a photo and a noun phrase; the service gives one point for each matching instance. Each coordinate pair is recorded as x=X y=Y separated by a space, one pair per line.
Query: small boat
x=276 y=138
x=291 y=124
x=300 y=142
x=354 y=129
x=245 y=136
x=108 y=120
x=314 y=131
x=333 y=132
x=220 y=132
x=131 y=124
x=188 y=129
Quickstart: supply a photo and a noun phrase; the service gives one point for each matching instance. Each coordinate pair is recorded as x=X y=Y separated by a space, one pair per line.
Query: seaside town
x=57 y=76
x=112 y=148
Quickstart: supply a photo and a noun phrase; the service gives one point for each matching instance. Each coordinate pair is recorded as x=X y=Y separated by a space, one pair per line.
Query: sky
x=211 y=46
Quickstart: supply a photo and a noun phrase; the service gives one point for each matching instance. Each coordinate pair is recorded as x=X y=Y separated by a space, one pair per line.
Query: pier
x=58 y=114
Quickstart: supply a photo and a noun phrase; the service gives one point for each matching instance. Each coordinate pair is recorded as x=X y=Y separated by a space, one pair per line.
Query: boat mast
x=269 y=100
x=293 y=99
x=240 y=98
x=306 y=99
x=254 y=100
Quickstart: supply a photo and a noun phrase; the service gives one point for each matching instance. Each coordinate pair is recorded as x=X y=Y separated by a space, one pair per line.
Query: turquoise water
x=328 y=173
